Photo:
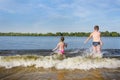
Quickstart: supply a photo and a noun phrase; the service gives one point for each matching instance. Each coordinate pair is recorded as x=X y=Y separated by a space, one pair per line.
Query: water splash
x=86 y=53
x=76 y=59
x=72 y=63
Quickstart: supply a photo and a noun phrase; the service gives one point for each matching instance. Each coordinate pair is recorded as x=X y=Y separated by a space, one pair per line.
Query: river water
x=36 y=51
x=28 y=42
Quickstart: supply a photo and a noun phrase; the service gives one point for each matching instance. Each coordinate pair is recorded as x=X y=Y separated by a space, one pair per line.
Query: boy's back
x=96 y=36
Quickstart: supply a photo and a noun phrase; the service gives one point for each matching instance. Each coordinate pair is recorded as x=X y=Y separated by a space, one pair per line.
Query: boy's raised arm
x=88 y=39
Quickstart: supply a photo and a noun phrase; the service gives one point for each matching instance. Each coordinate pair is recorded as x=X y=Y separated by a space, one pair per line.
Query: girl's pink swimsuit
x=61 y=51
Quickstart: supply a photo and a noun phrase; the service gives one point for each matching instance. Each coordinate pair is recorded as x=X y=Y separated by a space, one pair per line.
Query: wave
x=77 y=62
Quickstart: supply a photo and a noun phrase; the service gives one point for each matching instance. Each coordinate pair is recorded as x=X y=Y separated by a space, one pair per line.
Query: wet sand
x=32 y=73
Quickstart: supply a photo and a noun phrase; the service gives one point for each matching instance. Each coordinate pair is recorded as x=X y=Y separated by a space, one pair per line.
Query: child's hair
x=62 y=38
x=96 y=27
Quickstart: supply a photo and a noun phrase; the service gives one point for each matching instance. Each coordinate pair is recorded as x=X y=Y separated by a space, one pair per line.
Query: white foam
x=69 y=63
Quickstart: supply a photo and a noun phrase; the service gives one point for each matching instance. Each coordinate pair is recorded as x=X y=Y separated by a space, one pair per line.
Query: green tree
x=114 y=34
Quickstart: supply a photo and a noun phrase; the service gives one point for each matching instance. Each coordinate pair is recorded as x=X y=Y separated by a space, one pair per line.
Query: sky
x=42 y=16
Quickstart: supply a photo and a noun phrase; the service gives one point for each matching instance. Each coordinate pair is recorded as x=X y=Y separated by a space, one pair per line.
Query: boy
x=97 y=43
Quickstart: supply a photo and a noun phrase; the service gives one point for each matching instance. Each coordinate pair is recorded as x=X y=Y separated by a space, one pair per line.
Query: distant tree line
x=79 y=34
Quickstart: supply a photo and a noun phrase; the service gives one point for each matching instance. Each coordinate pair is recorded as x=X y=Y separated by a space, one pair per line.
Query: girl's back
x=61 y=45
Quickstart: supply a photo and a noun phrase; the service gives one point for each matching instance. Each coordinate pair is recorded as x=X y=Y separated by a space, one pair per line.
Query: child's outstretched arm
x=65 y=45
x=56 y=47
x=101 y=43
x=88 y=39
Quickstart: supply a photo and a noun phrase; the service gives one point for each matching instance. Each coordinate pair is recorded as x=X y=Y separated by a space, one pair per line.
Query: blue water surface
x=50 y=42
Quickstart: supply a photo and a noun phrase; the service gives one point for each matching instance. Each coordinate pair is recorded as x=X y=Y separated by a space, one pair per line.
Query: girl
x=60 y=46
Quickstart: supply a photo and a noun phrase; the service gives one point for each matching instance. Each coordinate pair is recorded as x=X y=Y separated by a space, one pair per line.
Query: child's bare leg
x=94 y=49
x=98 y=49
